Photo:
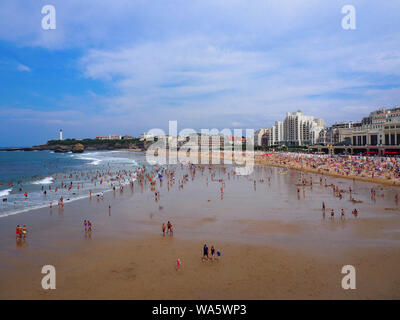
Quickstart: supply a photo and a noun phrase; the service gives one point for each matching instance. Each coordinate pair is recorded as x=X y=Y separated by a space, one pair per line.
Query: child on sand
x=85 y=225
x=24 y=231
x=163 y=229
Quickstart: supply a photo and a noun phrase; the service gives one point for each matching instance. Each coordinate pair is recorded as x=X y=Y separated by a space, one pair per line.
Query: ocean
x=34 y=172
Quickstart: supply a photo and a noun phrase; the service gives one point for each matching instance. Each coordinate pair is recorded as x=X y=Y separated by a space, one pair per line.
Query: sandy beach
x=275 y=242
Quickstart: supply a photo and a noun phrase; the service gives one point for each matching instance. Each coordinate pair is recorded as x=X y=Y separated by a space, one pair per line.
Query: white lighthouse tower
x=61 y=134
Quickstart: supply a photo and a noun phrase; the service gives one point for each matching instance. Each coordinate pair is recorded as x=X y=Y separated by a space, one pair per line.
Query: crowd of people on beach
x=153 y=177
x=380 y=169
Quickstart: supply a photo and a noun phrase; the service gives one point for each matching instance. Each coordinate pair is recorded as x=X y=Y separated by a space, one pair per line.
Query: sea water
x=34 y=172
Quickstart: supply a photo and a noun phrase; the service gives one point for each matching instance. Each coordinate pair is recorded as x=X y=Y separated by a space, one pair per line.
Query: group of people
x=87 y=225
x=169 y=228
x=380 y=168
x=21 y=232
x=342 y=213
x=210 y=254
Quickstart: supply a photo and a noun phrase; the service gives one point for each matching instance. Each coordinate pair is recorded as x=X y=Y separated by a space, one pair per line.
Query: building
x=299 y=130
x=126 y=137
x=114 y=137
x=276 y=134
x=380 y=128
x=261 y=137
x=101 y=137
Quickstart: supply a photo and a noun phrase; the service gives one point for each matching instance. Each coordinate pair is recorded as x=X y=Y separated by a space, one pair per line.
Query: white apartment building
x=277 y=134
x=299 y=129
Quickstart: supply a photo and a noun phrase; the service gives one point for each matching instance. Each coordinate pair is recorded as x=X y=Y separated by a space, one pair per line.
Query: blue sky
x=129 y=66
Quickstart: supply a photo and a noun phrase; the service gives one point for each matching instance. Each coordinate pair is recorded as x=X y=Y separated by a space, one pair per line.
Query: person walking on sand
x=171 y=230
x=332 y=213
x=89 y=226
x=163 y=229
x=323 y=205
x=205 y=252
x=178 y=264
x=85 y=225
x=212 y=253
x=342 y=214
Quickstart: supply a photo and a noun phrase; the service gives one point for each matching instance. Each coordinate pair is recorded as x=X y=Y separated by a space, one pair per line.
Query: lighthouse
x=60 y=134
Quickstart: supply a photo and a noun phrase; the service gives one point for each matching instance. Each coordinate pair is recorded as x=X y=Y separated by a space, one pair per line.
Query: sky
x=128 y=66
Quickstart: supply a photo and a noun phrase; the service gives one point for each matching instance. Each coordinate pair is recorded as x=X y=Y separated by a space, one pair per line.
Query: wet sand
x=275 y=243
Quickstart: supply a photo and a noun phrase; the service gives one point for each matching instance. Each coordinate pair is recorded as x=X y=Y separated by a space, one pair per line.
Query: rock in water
x=78 y=148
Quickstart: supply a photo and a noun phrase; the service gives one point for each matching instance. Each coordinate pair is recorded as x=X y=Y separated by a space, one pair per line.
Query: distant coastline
x=79 y=146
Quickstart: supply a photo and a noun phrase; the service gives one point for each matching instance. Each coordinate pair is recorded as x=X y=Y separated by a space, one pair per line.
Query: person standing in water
x=18 y=232
x=24 y=231
x=169 y=226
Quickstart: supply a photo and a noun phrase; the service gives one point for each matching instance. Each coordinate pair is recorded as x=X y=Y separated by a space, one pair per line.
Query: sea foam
x=5 y=192
x=46 y=180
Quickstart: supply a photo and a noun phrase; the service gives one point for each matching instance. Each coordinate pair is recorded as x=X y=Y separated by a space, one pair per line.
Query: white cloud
x=22 y=67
